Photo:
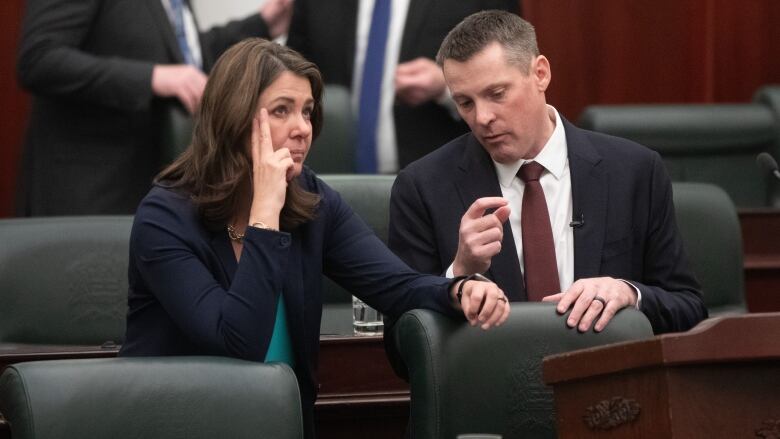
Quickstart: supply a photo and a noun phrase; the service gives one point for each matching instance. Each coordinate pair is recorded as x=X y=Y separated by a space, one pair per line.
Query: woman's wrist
x=269 y=217
x=459 y=283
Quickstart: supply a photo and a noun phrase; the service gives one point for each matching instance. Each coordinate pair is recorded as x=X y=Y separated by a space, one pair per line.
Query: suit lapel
x=478 y=179
x=415 y=20
x=166 y=30
x=589 y=185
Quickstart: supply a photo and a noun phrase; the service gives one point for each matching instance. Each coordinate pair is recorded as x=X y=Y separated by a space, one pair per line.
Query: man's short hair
x=477 y=31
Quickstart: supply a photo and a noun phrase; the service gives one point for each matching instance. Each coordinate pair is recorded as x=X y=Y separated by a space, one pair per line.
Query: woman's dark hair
x=218 y=163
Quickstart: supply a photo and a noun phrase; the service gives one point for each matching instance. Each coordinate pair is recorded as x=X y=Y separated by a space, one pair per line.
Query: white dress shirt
x=387 y=153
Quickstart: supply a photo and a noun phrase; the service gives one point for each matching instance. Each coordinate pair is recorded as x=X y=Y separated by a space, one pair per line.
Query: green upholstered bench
x=715 y=143
x=171 y=397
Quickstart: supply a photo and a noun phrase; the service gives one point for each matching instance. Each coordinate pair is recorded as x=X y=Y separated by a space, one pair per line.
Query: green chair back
x=171 y=397
x=710 y=229
x=63 y=280
x=466 y=380
x=714 y=144
x=334 y=150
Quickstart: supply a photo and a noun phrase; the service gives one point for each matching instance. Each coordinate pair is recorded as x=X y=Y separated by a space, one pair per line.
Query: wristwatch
x=475 y=276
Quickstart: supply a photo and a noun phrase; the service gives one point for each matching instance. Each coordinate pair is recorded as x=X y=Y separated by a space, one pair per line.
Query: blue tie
x=371 y=86
x=177 y=10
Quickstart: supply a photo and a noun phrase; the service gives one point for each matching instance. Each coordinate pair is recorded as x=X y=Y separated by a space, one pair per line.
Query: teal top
x=280 y=349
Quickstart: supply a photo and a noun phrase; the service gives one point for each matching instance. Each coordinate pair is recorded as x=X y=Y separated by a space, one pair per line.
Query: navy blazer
x=619 y=188
x=189 y=296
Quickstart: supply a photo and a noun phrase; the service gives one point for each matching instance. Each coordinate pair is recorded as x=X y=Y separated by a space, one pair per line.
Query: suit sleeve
x=237 y=321
x=356 y=259
x=52 y=63
x=411 y=230
x=671 y=296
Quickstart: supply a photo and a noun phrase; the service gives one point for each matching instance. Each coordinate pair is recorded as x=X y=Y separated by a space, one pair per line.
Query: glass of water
x=366 y=320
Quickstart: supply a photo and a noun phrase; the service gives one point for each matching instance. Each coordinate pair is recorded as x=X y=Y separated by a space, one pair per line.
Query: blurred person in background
x=383 y=51
x=106 y=78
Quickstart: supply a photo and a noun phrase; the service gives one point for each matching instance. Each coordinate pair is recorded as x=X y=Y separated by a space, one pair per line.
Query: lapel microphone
x=577 y=223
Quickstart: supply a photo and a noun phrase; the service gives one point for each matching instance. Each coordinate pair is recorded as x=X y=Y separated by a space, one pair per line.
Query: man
x=105 y=76
x=607 y=239
x=413 y=118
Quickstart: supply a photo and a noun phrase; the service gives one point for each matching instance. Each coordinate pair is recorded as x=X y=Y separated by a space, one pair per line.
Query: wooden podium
x=718 y=380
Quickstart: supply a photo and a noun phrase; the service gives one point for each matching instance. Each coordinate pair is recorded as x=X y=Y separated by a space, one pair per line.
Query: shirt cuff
x=638 y=293
x=450 y=273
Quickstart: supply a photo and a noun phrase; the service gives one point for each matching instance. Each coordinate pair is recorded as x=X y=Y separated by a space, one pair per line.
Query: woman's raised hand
x=271 y=171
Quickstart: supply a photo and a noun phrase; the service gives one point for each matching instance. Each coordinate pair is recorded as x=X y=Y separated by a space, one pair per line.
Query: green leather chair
x=710 y=229
x=714 y=144
x=369 y=197
x=175 y=133
x=466 y=380
x=334 y=150
x=63 y=280
x=770 y=97
x=171 y=397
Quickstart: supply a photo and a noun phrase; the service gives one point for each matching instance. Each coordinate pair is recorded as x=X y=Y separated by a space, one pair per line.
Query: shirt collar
x=552 y=156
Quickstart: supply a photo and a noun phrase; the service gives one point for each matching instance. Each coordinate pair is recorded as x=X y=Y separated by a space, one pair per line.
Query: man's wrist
x=635 y=289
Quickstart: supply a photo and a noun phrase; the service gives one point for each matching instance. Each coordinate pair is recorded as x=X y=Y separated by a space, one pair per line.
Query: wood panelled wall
x=14 y=104
x=601 y=51
x=671 y=51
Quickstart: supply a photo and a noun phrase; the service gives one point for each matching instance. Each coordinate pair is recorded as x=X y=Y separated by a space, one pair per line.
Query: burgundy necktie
x=541 y=270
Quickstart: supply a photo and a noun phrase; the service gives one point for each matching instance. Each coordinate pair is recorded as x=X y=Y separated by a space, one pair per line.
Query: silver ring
x=600 y=299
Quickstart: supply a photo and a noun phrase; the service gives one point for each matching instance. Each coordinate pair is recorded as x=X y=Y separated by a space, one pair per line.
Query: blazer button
x=284 y=241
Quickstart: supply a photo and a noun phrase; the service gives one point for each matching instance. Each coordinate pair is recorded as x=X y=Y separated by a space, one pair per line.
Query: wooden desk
x=720 y=379
x=761 y=248
x=359 y=396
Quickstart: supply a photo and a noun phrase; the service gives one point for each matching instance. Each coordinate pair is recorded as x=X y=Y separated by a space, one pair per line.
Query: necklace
x=233 y=234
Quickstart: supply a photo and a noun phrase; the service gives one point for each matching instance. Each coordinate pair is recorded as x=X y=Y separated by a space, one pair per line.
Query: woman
x=228 y=249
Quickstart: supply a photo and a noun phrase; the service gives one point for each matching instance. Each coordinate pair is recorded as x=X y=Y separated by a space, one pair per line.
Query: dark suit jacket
x=324 y=32
x=189 y=296
x=619 y=188
x=93 y=142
